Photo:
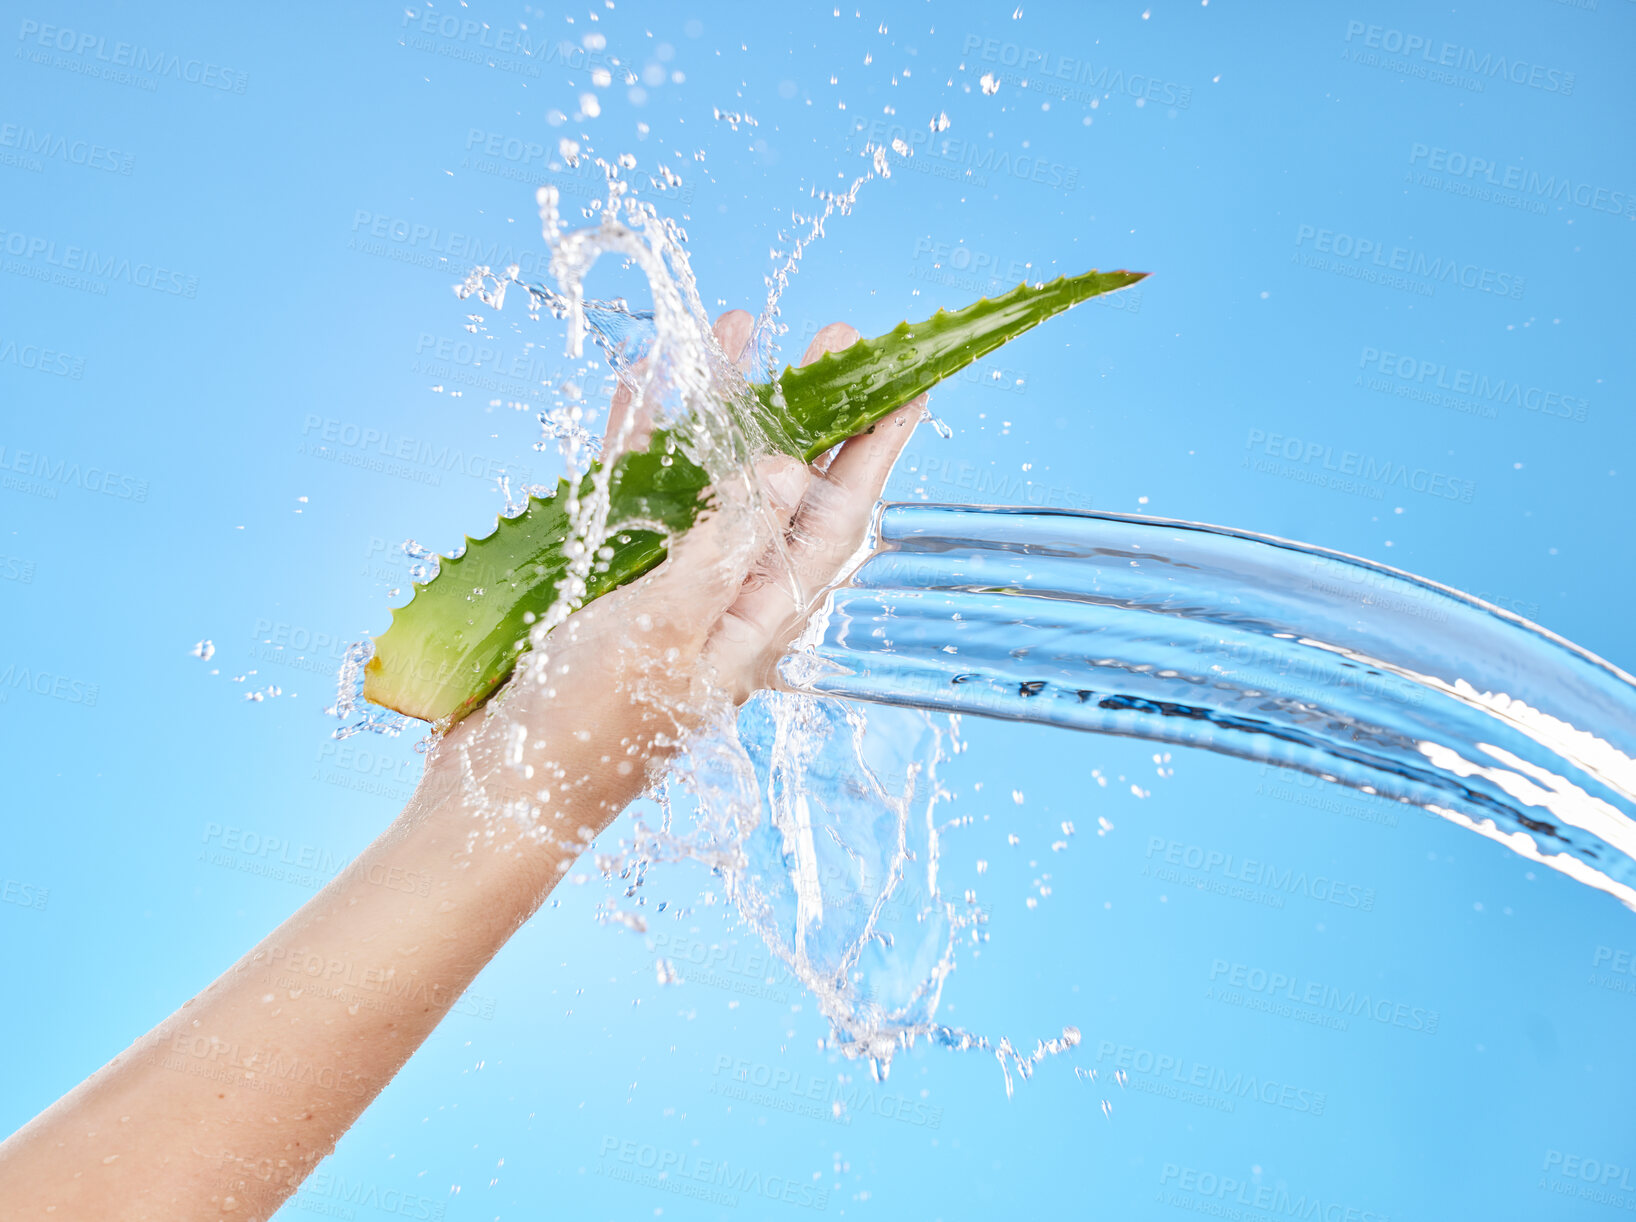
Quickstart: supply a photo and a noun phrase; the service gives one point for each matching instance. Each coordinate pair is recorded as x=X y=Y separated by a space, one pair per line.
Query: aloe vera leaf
x=459 y=638
x=841 y=393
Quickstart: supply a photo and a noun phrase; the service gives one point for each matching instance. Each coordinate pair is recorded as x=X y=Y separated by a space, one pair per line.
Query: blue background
x=306 y=216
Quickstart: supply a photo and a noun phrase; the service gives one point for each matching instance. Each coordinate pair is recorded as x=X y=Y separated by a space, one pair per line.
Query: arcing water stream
x=1241 y=644
x=1249 y=646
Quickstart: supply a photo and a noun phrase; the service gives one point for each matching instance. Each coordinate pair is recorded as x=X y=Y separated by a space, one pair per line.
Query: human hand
x=510 y=798
x=616 y=688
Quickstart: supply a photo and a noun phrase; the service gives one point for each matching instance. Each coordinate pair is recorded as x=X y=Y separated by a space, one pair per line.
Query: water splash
x=822 y=817
x=823 y=820
x=822 y=823
x=763 y=346
x=1252 y=646
x=350 y=706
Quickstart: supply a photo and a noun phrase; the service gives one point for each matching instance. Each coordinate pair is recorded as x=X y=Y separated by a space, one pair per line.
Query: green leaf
x=841 y=393
x=460 y=637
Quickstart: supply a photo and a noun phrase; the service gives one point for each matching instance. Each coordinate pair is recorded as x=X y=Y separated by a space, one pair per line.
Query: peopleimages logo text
x=1177 y=1072
x=817 y=1096
x=73 y=258
x=463 y=248
x=484 y=354
x=512 y=148
x=1592 y=1171
x=17 y=678
x=1557 y=188
x=1052 y=72
x=1224 y=1193
x=74 y=151
x=1380 y=473
x=41 y=360
x=965 y=157
x=573 y=56
x=129 y=55
x=1288 y=880
x=1348 y=1003
x=679 y=1171
x=367 y=440
x=1446 y=270
x=978 y=263
x=325 y=1185
x=1421 y=372
x=1451 y=55
x=63 y=471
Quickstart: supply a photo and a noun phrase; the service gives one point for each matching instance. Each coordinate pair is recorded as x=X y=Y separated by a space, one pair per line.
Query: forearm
x=222 y=1109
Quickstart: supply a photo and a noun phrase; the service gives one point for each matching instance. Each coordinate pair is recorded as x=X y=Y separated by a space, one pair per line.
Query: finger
x=824 y=533
x=861 y=466
x=770 y=595
x=709 y=565
x=702 y=572
x=682 y=606
x=836 y=513
x=833 y=338
x=778 y=485
x=629 y=423
x=639 y=639
x=732 y=331
x=618 y=410
x=810 y=521
x=782 y=483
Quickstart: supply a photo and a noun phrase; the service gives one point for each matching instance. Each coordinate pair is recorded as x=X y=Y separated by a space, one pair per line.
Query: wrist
x=508 y=817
